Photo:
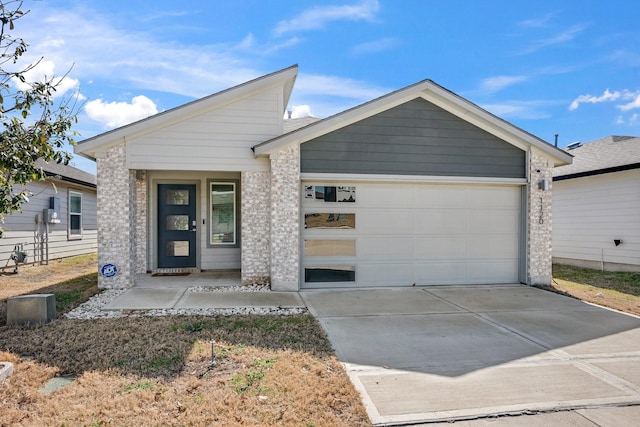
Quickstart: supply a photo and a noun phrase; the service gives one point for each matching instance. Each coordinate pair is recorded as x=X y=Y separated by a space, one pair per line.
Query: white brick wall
x=141 y=223
x=255 y=227
x=539 y=221
x=115 y=229
x=285 y=218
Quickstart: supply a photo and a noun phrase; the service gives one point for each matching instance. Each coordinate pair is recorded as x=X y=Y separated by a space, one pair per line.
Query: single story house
x=596 y=206
x=58 y=221
x=416 y=187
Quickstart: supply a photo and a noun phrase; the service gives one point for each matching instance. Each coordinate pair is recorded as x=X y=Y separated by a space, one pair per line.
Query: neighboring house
x=58 y=221
x=596 y=205
x=419 y=186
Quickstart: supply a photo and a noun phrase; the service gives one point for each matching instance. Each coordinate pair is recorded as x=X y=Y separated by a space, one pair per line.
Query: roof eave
x=432 y=92
x=286 y=77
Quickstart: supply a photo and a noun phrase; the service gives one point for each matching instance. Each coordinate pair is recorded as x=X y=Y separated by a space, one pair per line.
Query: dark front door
x=176 y=225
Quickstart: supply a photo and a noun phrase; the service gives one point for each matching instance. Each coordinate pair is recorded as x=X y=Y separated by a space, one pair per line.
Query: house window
x=75 y=215
x=223 y=214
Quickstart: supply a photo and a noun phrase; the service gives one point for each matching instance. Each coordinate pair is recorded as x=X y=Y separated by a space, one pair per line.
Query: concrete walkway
x=463 y=353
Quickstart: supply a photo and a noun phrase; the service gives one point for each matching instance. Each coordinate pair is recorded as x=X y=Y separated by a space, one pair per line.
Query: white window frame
x=70 y=235
x=235 y=242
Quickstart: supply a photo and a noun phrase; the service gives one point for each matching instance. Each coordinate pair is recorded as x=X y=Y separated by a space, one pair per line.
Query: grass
x=616 y=290
x=157 y=371
x=624 y=282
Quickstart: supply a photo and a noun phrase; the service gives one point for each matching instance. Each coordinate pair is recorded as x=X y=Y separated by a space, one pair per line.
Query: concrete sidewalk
x=182 y=298
x=459 y=353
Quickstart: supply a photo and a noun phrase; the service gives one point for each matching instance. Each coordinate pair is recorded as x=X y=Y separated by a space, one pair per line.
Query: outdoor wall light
x=617 y=242
x=544 y=185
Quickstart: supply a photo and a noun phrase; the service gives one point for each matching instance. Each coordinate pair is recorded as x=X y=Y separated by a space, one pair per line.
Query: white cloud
x=527 y=110
x=497 y=83
x=634 y=119
x=375 y=46
x=608 y=96
x=299 y=111
x=314 y=84
x=317 y=17
x=97 y=49
x=45 y=71
x=635 y=103
x=537 y=22
x=560 y=38
x=115 y=114
x=605 y=97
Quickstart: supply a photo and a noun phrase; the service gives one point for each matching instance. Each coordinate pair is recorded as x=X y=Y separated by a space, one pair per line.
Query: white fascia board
x=284 y=78
x=426 y=179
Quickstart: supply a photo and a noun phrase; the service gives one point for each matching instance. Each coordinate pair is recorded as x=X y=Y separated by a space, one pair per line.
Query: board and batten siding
x=219 y=140
x=21 y=227
x=590 y=212
x=415 y=138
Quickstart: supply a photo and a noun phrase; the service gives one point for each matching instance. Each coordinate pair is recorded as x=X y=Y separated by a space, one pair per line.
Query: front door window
x=177 y=225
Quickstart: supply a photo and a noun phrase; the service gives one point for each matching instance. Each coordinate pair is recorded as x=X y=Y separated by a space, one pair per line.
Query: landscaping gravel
x=92 y=309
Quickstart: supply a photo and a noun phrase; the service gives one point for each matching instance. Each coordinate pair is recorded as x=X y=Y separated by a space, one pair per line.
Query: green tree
x=32 y=124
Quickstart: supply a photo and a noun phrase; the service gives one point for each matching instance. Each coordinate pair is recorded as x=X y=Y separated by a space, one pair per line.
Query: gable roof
x=67 y=173
x=431 y=92
x=605 y=155
x=285 y=78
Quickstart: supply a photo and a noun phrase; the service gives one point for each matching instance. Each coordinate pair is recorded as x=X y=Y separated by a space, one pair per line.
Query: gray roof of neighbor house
x=294 y=124
x=68 y=173
x=610 y=154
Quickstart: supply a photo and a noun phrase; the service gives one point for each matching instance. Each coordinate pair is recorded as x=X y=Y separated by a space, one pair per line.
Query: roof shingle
x=605 y=153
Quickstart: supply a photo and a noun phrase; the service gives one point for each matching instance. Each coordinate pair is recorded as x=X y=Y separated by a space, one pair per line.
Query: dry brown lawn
x=157 y=371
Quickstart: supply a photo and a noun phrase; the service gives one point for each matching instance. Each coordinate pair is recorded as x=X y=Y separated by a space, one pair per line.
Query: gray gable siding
x=415 y=138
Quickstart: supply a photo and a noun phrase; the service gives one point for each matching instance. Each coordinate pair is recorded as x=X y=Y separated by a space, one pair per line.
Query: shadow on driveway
x=452 y=352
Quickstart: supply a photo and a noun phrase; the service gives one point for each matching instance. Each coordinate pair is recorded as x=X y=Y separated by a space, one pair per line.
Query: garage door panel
x=505 y=271
x=439 y=196
x=384 y=274
x=385 y=248
x=439 y=222
x=439 y=248
x=384 y=195
x=493 y=222
x=388 y=222
x=487 y=248
x=496 y=198
x=440 y=273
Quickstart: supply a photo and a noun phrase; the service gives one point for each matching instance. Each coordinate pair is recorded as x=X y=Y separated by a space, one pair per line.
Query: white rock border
x=92 y=308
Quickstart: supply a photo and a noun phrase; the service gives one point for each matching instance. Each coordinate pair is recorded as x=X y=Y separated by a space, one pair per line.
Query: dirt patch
x=601 y=296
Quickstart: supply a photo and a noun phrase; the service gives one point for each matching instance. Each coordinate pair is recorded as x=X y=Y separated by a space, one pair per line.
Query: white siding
x=219 y=140
x=590 y=212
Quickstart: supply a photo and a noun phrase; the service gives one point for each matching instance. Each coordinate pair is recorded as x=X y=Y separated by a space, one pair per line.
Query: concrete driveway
x=464 y=352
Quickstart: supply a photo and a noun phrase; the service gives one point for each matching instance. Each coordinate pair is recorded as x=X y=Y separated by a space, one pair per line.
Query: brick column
x=255 y=227
x=539 y=220
x=116 y=213
x=285 y=218
x=141 y=222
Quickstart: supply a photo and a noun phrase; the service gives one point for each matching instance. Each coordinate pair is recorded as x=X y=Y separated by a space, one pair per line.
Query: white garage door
x=372 y=234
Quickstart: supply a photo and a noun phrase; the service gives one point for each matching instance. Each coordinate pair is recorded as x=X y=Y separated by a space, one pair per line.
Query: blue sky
x=564 y=67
